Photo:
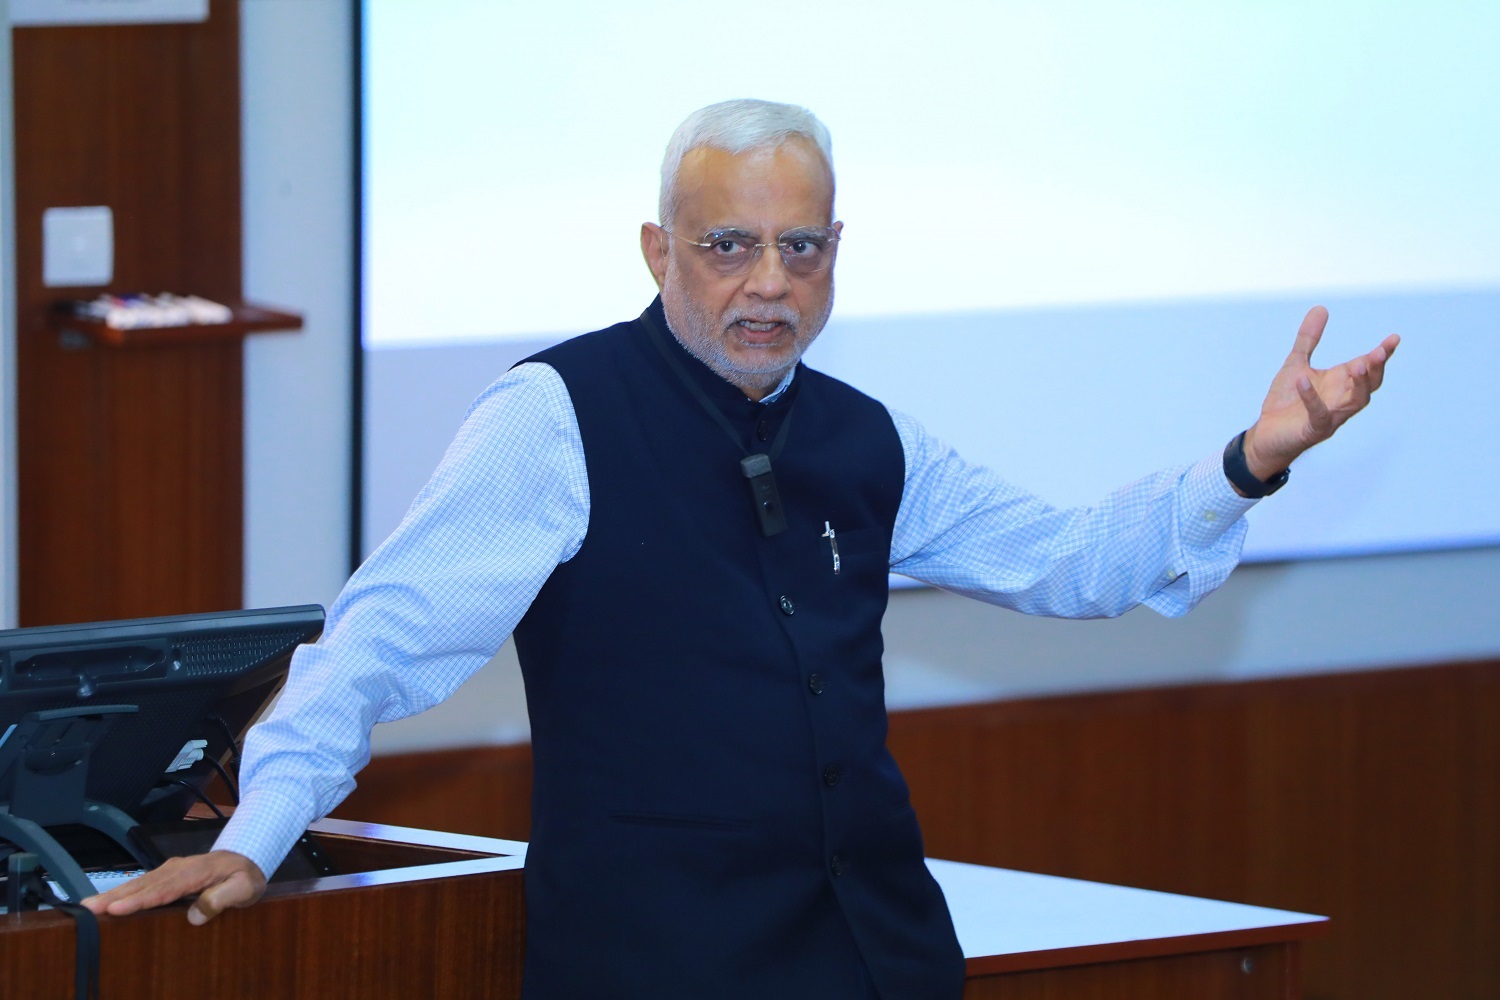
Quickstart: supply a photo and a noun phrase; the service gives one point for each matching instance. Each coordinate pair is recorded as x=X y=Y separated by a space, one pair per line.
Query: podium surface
x=1029 y=935
x=425 y=913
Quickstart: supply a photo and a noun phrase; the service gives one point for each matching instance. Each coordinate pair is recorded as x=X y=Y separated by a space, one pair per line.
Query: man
x=689 y=535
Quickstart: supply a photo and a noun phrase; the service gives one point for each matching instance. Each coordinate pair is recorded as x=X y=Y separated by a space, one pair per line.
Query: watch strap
x=1237 y=471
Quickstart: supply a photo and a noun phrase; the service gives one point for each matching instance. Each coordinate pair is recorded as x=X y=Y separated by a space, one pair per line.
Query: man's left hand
x=1306 y=404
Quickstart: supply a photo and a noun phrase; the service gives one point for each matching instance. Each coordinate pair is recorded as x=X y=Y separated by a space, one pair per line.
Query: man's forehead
x=767 y=184
x=792 y=145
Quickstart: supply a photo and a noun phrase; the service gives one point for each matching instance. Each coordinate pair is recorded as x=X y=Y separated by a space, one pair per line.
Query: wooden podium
x=435 y=915
x=1031 y=936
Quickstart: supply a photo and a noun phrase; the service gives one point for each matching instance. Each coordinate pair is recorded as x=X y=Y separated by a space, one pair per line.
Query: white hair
x=736 y=127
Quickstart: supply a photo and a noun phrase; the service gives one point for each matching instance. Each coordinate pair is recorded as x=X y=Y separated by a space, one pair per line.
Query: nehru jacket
x=715 y=813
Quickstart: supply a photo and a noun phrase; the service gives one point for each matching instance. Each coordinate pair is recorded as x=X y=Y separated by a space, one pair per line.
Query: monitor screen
x=113 y=723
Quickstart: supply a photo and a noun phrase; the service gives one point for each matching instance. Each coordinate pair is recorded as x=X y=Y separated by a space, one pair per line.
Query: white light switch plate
x=78 y=246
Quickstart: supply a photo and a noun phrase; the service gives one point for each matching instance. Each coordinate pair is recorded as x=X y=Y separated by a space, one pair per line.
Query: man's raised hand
x=222 y=879
x=1305 y=404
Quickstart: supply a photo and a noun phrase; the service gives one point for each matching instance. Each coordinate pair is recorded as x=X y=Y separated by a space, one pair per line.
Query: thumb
x=235 y=891
x=1308 y=335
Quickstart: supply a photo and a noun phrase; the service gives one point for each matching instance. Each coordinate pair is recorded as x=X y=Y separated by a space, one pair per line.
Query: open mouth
x=760 y=331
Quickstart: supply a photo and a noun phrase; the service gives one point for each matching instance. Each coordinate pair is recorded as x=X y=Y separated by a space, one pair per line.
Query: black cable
x=234 y=759
x=234 y=747
x=86 y=951
x=234 y=792
x=194 y=789
x=659 y=338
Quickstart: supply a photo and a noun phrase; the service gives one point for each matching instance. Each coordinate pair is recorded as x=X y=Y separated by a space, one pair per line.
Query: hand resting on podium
x=222 y=880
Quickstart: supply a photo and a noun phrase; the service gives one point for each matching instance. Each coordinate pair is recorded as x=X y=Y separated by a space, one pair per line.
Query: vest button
x=836 y=865
x=815 y=683
x=787 y=607
x=762 y=431
x=831 y=775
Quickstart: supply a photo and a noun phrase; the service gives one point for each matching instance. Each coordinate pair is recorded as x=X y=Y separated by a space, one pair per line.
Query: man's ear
x=654 y=247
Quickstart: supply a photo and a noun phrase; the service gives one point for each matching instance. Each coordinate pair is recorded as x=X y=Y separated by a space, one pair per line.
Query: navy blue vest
x=714 y=811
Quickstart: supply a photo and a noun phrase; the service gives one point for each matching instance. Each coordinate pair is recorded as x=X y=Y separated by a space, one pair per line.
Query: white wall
x=296 y=61
x=1268 y=620
x=7 y=339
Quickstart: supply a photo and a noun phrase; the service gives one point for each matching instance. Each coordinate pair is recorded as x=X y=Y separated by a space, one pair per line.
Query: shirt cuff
x=264 y=828
x=1209 y=504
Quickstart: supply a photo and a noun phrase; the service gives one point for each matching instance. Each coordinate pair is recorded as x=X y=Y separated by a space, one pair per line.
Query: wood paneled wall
x=1373 y=798
x=130 y=477
x=1370 y=797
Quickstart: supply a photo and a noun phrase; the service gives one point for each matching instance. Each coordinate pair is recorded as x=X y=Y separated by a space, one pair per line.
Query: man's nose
x=768 y=277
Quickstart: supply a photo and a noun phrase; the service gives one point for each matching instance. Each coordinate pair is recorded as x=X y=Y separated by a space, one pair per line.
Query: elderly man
x=689 y=535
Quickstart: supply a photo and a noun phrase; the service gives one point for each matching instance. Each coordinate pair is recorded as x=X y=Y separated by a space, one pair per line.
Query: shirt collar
x=783 y=386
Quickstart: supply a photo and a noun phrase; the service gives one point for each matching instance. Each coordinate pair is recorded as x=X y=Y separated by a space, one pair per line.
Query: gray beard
x=698 y=324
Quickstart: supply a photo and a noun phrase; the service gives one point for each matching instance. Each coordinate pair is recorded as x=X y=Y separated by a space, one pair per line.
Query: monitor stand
x=44 y=766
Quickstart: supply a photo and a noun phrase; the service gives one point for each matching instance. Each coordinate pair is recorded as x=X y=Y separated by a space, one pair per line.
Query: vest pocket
x=680 y=821
x=859 y=544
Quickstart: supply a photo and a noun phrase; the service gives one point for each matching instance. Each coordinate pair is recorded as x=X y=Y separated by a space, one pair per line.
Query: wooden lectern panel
x=454 y=937
x=1265 y=973
x=426 y=927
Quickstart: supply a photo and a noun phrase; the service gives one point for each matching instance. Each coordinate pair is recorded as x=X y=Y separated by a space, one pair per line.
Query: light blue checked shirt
x=510 y=501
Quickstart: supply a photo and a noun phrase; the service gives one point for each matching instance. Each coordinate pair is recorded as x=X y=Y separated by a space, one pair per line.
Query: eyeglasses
x=734 y=251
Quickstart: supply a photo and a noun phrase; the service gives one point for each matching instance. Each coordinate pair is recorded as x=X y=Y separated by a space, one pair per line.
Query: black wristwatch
x=1237 y=471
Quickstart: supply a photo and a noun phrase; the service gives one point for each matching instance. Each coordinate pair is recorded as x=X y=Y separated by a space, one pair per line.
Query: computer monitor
x=111 y=724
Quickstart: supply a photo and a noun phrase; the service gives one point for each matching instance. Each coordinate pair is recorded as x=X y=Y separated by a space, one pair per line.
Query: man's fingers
x=1308 y=335
x=1317 y=411
x=1361 y=384
x=171 y=881
x=1379 y=357
x=235 y=891
x=228 y=879
x=1366 y=372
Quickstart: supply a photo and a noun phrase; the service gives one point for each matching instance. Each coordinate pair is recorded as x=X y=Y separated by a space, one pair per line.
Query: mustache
x=771 y=312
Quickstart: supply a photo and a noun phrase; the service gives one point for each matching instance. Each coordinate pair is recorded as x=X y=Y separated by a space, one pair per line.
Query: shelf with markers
x=165 y=318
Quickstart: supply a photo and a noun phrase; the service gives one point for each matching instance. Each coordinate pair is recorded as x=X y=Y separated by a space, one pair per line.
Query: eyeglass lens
x=802 y=251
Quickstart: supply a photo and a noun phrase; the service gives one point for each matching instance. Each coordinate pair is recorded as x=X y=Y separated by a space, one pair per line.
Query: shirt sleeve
x=433 y=604
x=1166 y=540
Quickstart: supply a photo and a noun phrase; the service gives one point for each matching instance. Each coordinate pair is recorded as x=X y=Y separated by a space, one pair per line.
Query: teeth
x=758 y=327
